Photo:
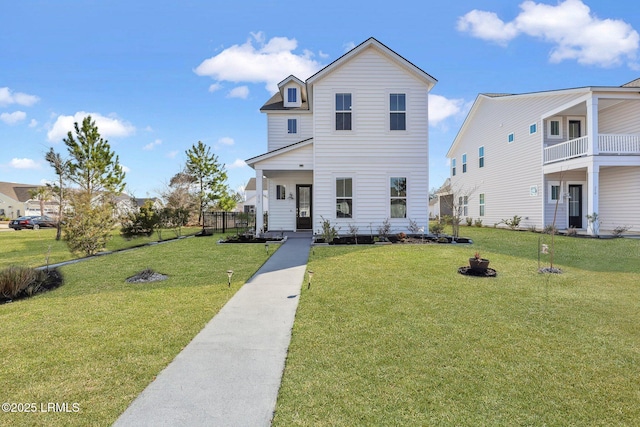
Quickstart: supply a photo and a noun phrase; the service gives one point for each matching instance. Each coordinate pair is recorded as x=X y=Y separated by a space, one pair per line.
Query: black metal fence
x=238 y=222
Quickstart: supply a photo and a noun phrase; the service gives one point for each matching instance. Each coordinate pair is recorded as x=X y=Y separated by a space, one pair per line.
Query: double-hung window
x=292 y=95
x=292 y=126
x=481 y=204
x=281 y=192
x=398 y=197
x=554 y=128
x=464 y=163
x=463 y=205
x=344 y=198
x=343 y=111
x=398 y=111
x=453 y=167
x=481 y=157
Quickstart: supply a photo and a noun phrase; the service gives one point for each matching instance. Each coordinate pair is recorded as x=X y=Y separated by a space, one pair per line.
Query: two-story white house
x=562 y=154
x=348 y=145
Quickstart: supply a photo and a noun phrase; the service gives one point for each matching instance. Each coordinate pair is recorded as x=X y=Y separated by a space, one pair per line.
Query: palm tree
x=42 y=195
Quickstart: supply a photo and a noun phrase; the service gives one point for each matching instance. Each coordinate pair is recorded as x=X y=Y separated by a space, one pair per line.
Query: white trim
x=511 y=138
x=404 y=92
x=406 y=176
x=334 y=110
x=551 y=184
x=535 y=124
x=335 y=177
x=560 y=124
x=582 y=120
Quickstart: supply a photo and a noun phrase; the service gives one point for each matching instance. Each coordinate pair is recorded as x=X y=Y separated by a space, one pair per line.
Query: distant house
x=126 y=204
x=574 y=149
x=16 y=201
x=348 y=145
x=249 y=205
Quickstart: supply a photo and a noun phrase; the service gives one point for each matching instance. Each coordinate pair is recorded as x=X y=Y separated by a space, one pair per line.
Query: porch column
x=259 y=203
x=593 y=181
x=592 y=126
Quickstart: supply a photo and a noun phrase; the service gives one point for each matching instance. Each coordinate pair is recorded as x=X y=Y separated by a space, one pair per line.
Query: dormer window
x=292 y=95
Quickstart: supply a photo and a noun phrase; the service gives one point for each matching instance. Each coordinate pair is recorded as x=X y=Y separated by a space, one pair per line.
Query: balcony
x=608 y=144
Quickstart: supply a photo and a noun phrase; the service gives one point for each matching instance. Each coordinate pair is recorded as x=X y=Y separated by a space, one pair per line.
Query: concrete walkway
x=229 y=375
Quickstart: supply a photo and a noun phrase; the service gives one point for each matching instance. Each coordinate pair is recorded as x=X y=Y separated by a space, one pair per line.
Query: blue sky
x=159 y=76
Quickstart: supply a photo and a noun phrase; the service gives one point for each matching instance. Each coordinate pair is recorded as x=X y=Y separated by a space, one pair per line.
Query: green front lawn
x=35 y=248
x=393 y=335
x=98 y=341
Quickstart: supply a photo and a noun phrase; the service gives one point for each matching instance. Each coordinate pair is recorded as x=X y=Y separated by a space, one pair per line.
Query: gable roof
x=19 y=192
x=390 y=54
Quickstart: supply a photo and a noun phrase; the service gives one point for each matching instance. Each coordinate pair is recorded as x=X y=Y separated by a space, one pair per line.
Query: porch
x=607 y=144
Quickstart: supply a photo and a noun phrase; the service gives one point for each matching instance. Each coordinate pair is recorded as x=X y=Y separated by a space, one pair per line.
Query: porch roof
x=274 y=153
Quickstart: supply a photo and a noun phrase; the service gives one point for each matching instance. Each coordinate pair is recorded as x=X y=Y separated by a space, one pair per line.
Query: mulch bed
x=468 y=271
x=53 y=279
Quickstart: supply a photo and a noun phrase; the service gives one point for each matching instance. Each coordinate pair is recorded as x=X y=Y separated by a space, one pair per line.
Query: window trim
x=550 y=185
x=464 y=162
x=481 y=157
x=481 y=204
x=533 y=128
x=294 y=91
x=281 y=192
x=336 y=111
x=453 y=167
x=511 y=138
x=560 y=124
x=289 y=122
x=391 y=112
x=405 y=197
x=335 y=187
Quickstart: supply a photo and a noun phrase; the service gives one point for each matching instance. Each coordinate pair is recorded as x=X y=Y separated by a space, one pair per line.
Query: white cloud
x=215 y=87
x=574 y=32
x=13 y=118
x=172 y=154
x=150 y=146
x=487 y=26
x=24 y=164
x=8 y=97
x=441 y=108
x=33 y=123
x=257 y=61
x=241 y=92
x=348 y=46
x=107 y=126
x=238 y=163
x=125 y=169
x=226 y=141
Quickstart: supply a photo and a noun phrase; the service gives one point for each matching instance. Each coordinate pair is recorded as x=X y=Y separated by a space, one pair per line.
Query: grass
x=98 y=342
x=393 y=335
x=33 y=248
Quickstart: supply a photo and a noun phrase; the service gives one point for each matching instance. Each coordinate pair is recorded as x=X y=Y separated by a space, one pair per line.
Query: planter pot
x=478 y=264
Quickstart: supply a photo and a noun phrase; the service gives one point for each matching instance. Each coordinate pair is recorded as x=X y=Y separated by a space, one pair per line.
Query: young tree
x=61 y=168
x=208 y=175
x=96 y=170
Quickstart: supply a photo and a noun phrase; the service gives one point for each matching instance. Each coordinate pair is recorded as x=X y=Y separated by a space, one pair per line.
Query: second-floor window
x=453 y=167
x=292 y=95
x=464 y=163
x=292 y=126
x=343 y=111
x=398 y=111
x=481 y=157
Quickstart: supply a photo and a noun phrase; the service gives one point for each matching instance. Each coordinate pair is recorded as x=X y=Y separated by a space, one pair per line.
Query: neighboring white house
x=348 y=145
x=576 y=148
x=249 y=204
x=16 y=201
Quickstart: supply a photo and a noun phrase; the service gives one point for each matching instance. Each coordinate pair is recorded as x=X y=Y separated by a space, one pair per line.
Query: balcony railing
x=619 y=144
x=566 y=150
x=607 y=144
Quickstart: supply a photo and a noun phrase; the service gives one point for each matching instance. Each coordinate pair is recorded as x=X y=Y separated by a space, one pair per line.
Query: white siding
x=278 y=131
x=282 y=213
x=510 y=169
x=297 y=159
x=620 y=118
x=370 y=152
x=619 y=198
